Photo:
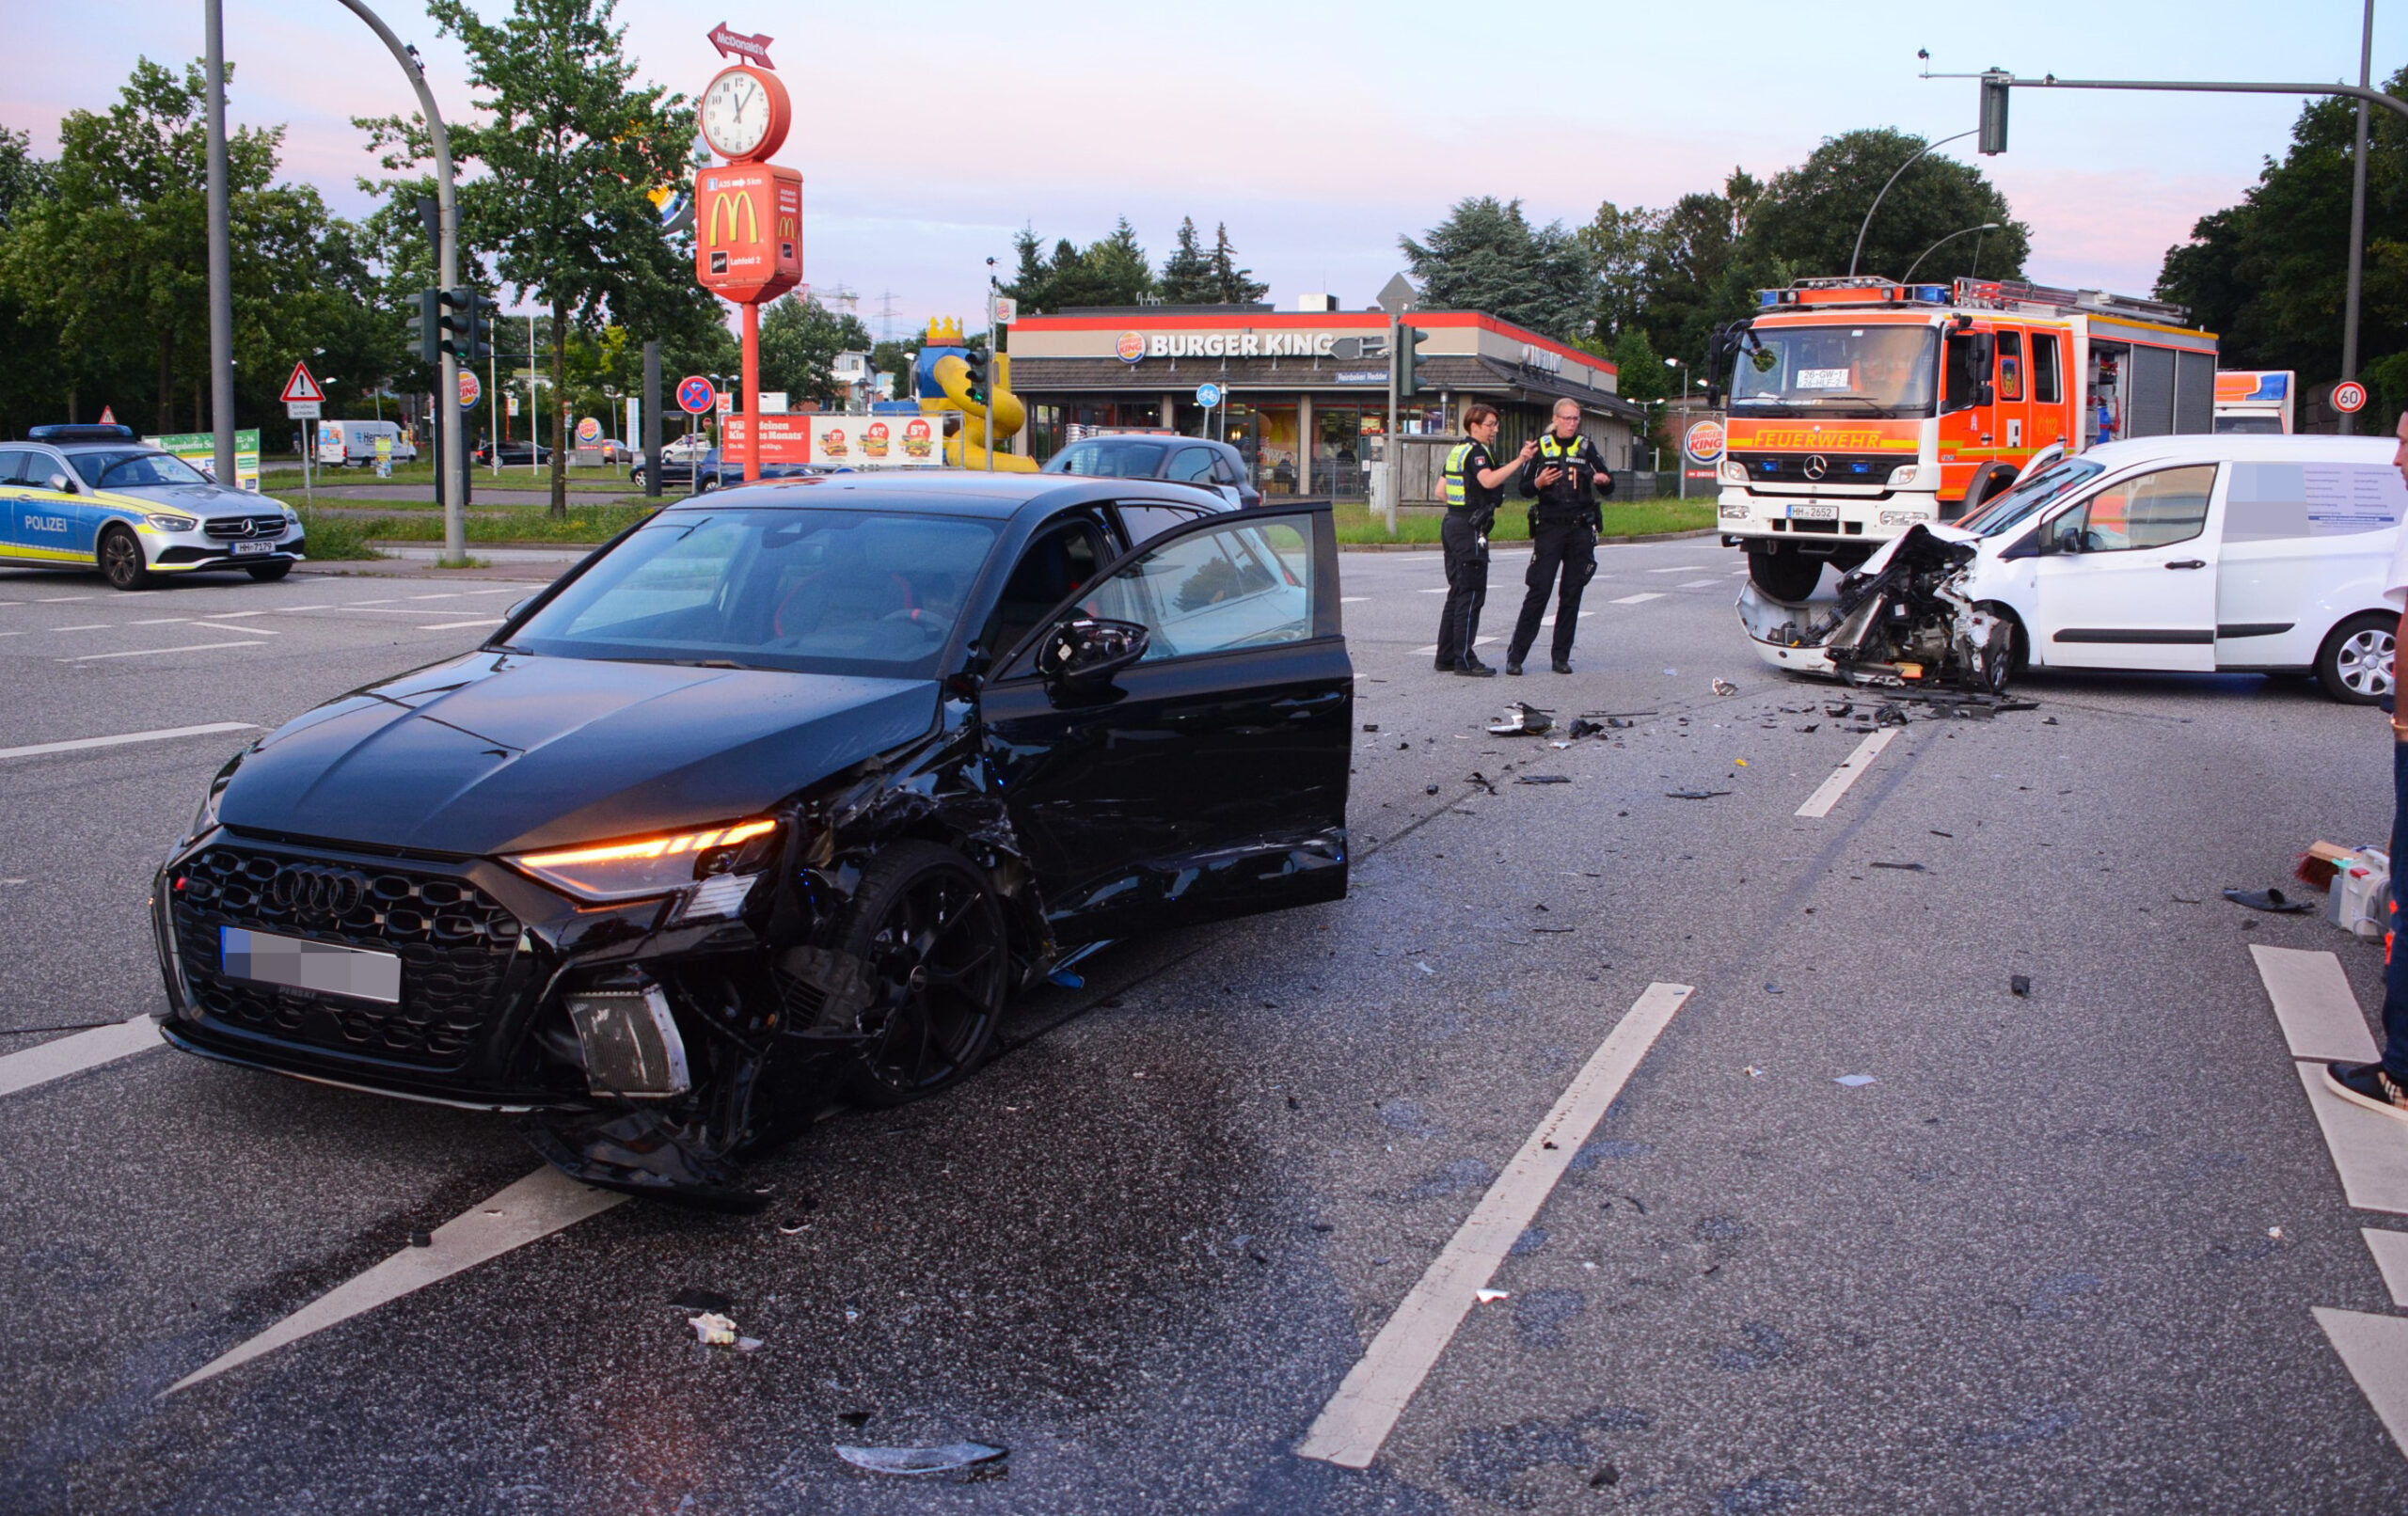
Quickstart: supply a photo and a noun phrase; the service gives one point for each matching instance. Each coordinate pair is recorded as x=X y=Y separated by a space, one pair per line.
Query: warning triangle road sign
x=108 y=417
x=301 y=385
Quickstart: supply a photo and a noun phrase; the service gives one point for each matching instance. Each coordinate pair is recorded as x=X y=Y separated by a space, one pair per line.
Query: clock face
x=737 y=114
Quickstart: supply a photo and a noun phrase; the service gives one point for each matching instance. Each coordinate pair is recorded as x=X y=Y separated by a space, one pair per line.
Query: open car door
x=1172 y=742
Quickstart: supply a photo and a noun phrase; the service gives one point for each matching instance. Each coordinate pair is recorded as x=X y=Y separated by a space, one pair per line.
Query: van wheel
x=1791 y=577
x=2355 y=664
x=122 y=562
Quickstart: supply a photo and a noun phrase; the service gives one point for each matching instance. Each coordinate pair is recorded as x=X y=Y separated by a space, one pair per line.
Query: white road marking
x=448 y=594
x=1696 y=584
x=2314 y=1002
x=287 y=610
x=1353 y=599
x=60 y=599
x=385 y=601
x=2374 y=1348
x=2391 y=1250
x=153 y=652
x=1548 y=620
x=234 y=615
x=1680 y=568
x=161 y=620
x=388 y=610
x=534 y=1207
x=248 y=631
x=1827 y=794
x=161 y=734
x=1360 y=1416
x=1637 y=599
x=87 y=626
x=455 y=626
x=2369 y=1150
x=1441 y=590
x=1426 y=652
x=62 y=1056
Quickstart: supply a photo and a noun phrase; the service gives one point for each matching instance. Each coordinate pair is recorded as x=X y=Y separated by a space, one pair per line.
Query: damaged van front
x=1910 y=618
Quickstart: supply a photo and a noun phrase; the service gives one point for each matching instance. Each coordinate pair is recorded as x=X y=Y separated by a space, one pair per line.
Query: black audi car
x=784 y=791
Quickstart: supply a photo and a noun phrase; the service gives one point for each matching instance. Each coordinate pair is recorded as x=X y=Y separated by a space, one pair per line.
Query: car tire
x=1789 y=577
x=2355 y=664
x=122 y=562
x=269 y=572
x=1989 y=669
x=635 y=480
x=926 y=922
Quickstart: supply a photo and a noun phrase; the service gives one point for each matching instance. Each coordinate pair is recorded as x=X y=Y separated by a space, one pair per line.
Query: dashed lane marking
x=1358 y=1418
x=60 y=599
x=1680 y=568
x=1426 y=652
x=62 y=1056
x=2391 y=1250
x=1827 y=795
x=2369 y=1150
x=87 y=626
x=448 y=594
x=1636 y=599
x=247 y=631
x=163 y=734
x=1353 y=599
x=2375 y=1351
x=2315 y=1004
x=455 y=626
x=154 y=652
x=1696 y=584
x=161 y=620
x=542 y=1202
x=1441 y=590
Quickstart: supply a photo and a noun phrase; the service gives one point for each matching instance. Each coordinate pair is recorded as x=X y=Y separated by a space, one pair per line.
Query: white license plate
x=246 y=549
x=1814 y=512
x=323 y=966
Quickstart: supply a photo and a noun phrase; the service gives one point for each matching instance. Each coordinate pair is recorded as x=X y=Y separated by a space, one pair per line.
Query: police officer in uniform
x=1475 y=489
x=1564 y=479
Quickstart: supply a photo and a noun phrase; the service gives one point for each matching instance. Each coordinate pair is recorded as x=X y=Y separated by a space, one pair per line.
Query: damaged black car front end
x=1903 y=621
x=770 y=803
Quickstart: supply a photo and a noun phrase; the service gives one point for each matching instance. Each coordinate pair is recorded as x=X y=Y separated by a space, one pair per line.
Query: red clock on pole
x=748 y=214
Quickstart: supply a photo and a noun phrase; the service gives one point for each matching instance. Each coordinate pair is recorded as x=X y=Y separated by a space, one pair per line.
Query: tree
x=2268 y=276
x=1809 y=215
x=1187 y=272
x=1231 y=285
x=571 y=148
x=1485 y=255
x=1113 y=272
x=1618 y=243
x=800 y=340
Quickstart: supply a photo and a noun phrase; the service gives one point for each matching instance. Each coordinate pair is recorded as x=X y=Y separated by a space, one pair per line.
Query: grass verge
x=606 y=478
x=336 y=538
x=1636 y=518
x=584 y=525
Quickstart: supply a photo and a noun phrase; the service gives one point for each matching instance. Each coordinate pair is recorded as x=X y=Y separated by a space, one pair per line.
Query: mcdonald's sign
x=734 y=206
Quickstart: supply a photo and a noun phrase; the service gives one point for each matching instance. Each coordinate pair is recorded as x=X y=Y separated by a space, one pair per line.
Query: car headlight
x=1733 y=473
x=169 y=521
x=1904 y=474
x=639 y=866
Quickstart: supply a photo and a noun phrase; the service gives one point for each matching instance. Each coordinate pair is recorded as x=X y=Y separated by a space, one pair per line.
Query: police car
x=85 y=496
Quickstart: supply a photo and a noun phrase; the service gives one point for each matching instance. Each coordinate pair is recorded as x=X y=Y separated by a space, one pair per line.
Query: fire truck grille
x=1818 y=467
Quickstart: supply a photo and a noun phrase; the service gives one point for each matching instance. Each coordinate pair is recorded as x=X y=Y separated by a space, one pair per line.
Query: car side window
x=1224 y=472
x=1144 y=523
x=15 y=464
x=1194 y=466
x=2154 y=509
x=1961 y=373
x=1245 y=584
x=1057 y=563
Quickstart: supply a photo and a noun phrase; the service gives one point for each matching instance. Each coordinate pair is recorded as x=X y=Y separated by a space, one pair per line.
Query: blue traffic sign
x=695 y=395
x=1208 y=396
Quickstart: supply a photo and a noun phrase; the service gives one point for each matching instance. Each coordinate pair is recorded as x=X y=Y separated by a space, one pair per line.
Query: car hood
x=497 y=752
x=195 y=500
x=1942 y=530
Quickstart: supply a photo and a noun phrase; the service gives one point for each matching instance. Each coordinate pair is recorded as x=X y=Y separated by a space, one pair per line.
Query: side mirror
x=2068 y=540
x=61 y=484
x=1084 y=651
x=1985 y=393
x=1713 y=396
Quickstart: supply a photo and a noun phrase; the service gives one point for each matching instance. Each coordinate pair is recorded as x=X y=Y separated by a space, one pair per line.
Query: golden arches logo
x=733 y=209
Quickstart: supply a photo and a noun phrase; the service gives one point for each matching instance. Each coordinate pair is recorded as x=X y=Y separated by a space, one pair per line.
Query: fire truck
x=1859 y=407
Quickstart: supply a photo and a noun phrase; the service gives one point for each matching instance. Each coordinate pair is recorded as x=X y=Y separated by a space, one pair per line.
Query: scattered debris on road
x=1693 y=795
x=2021 y=983
x=1855 y=1081
x=1724 y=687
x=1545 y=778
x=2274 y=902
x=1523 y=719
x=948 y=1459
x=1490 y=1297
x=712 y=1330
x=1903 y=868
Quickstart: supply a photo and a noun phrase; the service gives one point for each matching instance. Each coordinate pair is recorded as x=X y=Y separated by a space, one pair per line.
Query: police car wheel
x=122 y=562
x=269 y=572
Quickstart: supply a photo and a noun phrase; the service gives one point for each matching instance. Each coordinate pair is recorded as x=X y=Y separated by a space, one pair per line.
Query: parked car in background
x=2218 y=553
x=516 y=450
x=701 y=472
x=1207 y=465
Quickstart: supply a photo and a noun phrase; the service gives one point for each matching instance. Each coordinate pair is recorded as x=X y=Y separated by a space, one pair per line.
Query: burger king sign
x=1132 y=347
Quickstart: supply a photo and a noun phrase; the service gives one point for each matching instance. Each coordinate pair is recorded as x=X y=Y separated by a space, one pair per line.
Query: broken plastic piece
x=1430 y=789
x=1545 y=778
x=421 y=1239
x=1370 y=726
x=914 y=1460
x=1693 y=795
x=1909 y=868
x=1854 y=1081
x=2272 y=901
x=2021 y=983
x=1522 y=720
x=1724 y=687
x=1490 y=1297
x=1068 y=979
x=713 y=1330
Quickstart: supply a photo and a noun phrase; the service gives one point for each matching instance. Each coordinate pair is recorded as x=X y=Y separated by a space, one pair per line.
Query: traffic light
x=1993 y=119
x=981 y=366
x=474 y=324
x=426 y=326
x=1409 y=360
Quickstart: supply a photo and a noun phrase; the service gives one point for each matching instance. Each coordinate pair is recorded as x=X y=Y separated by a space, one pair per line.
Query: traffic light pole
x=221 y=264
x=451 y=479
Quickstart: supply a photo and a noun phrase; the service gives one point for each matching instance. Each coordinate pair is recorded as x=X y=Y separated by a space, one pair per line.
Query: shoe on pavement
x=1563 y=665
x=1476 y=670
x=1515 y=669
x=1443 y=667
x=2366 y=1084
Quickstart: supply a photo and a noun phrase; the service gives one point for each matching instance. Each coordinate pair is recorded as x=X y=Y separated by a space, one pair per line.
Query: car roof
x=949 y=491
x=2244 y=446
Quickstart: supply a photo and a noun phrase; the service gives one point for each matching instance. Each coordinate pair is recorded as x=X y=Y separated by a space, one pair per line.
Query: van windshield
x=1813 y=370
x=2018 y=504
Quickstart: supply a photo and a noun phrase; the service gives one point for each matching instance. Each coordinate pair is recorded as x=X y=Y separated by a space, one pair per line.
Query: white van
x=354 y=443
x=2201 y=554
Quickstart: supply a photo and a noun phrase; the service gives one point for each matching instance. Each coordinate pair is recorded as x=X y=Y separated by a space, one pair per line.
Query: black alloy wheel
x=122 y=562
x=269 y=572
x=1789 y=577
x=932 y=934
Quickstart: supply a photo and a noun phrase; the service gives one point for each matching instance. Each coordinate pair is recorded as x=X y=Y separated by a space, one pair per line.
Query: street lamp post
x=1885 y=190
x=1680 y=453
x=1987 y=225
x=221 y=262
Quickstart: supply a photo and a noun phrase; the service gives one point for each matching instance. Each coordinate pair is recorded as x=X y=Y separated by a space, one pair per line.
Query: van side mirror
x=2070 y=540
x=1083 y=653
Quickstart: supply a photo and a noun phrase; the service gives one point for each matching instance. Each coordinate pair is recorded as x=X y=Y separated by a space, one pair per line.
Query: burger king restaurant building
x=1307 y=390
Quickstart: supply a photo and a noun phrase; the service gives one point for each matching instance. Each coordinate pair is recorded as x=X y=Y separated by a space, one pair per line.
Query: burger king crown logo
x=946 y=331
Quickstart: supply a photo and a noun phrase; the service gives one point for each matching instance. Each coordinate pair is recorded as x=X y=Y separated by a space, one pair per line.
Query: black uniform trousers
x=1467 y=588
x=1568 y=548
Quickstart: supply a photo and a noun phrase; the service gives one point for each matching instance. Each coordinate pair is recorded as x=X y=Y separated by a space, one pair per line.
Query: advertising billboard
x=199 y=448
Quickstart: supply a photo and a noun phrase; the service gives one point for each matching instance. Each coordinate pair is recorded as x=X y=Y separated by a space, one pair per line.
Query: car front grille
x=236 y=528
x=454 y=942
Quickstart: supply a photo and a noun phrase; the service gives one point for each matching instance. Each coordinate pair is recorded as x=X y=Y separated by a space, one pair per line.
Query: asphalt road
x=2055 y=1253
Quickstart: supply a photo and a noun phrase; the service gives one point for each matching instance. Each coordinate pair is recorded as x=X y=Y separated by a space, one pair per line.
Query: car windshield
x=2017 y=505
x=1864 y=371
x=134 y=468
x=804 y=591
x=1110 y=458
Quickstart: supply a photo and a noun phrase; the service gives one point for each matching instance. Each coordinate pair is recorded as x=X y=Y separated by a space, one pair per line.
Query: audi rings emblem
x=317 y=890
x=1816 y=467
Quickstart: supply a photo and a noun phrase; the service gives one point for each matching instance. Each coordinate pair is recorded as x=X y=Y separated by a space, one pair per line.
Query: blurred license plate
x=245 y=549
x=1814 y=512
x=301 y=965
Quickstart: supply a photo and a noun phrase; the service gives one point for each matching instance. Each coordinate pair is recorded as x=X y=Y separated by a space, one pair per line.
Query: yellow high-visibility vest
x=1453 y=474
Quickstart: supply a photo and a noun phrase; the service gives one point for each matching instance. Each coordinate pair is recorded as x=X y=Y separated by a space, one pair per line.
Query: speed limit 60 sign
x=2349 y=397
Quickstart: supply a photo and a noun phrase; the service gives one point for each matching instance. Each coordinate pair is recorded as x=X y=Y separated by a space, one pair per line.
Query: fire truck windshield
x=1866 y=370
